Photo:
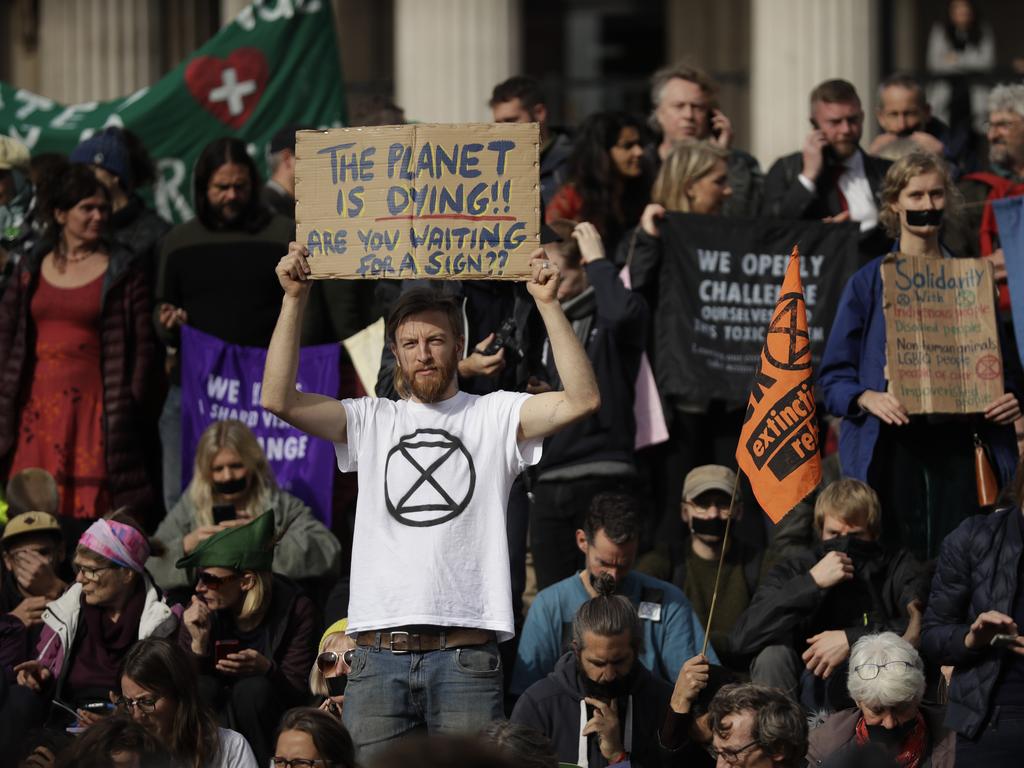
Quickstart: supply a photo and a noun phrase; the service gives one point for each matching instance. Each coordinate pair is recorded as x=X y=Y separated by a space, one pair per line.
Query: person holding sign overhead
x=921 y=465
x=430 y=579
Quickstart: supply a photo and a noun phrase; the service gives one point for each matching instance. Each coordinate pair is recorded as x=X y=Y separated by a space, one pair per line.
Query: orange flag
x=778 y=448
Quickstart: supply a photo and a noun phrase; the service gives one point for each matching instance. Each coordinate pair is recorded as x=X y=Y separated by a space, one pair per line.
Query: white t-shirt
x=235 y=751
x=429 y=545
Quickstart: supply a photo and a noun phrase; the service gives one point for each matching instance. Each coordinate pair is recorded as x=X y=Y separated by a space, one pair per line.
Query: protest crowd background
x=729 y=475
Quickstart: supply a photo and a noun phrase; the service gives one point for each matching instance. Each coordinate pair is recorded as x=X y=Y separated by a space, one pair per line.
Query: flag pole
x=721 y=560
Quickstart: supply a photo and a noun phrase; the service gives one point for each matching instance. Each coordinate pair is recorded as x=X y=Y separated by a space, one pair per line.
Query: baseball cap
x=710 y=477
x=30 y=522
x=13 y=154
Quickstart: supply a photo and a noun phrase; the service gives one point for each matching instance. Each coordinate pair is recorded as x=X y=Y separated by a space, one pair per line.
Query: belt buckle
x=391 y=642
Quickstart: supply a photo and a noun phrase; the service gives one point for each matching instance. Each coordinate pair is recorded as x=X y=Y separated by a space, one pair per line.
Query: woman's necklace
x=75 y=258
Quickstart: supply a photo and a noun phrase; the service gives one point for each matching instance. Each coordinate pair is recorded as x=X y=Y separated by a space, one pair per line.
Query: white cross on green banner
x=274 y=65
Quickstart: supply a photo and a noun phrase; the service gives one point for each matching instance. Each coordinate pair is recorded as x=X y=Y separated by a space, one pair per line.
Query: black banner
x=731 y=272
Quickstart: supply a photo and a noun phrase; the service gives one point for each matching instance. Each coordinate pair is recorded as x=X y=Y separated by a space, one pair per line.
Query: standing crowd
x=508 y=575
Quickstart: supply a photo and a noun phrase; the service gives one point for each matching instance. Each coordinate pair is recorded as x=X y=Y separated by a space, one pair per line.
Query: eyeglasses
x=145 y=704
x=298 y=762
x=213 y=581
x=328 y=660
x=870 y=671
x=1001 y=125
x=732 y=756
x=90 y=573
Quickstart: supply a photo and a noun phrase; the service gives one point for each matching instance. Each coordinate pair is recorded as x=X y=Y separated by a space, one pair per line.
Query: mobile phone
x=223 y=512
x=99 y=708
x=222 y=648
x=1003 y=641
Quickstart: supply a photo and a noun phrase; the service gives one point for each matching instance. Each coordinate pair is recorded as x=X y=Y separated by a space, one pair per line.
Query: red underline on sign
x=465 y=216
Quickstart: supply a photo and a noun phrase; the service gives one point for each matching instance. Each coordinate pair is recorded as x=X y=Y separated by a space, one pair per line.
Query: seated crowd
x=220 y=622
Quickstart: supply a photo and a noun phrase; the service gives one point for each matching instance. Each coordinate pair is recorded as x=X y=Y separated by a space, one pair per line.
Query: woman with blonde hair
x=249 y=633
x=231 y=485
x=692 y=179
x=921 y=466
x=329 y=674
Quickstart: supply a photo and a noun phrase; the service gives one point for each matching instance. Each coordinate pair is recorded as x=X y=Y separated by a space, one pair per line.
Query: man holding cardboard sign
x=430 y=578
x=914 y=367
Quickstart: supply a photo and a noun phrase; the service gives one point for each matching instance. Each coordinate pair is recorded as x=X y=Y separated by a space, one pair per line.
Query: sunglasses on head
x=328 y=660
x=212 y=581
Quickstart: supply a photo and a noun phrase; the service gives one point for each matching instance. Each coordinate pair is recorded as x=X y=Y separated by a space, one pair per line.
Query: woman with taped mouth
x=250 y=633
x=232 y=483
x=922 y=466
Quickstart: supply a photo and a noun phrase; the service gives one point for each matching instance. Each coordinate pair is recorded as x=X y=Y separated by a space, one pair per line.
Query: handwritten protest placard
x=448 y=202
x=942 y=346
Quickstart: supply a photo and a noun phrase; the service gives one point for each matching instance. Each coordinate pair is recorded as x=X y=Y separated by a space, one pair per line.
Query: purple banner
x=221 y=381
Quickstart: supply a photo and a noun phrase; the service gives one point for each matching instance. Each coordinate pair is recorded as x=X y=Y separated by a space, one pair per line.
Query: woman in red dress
x=76 y=353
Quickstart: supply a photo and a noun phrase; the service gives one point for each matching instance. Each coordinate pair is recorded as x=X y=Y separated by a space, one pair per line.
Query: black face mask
x=708 y=526
x=931 y=217
x=891 y=738
x=860 y=551
x=336 y=685
x=228 y=487
x=616 y=689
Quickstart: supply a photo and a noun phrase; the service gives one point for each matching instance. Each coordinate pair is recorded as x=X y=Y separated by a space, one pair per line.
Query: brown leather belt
x=401 y=641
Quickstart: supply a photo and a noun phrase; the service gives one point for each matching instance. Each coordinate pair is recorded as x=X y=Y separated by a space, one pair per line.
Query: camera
x=505 y=338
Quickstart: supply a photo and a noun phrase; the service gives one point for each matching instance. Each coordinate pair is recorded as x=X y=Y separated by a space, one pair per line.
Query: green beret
x=248 y=547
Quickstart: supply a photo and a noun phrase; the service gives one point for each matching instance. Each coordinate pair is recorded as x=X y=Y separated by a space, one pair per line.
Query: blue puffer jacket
x=977 y=572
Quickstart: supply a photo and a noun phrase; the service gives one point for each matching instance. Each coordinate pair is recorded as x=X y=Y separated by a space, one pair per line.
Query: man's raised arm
x=318 y=415
x=545 y=414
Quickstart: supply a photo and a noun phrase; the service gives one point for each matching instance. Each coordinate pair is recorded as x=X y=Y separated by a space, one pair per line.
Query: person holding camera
x=594 y=455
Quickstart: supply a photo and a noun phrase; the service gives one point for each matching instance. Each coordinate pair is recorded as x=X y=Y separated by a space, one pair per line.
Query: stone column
x=93 y=50
x=797 y=44
x=449 y=54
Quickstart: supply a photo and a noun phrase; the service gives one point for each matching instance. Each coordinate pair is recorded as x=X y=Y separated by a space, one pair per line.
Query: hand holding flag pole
x=778 y=446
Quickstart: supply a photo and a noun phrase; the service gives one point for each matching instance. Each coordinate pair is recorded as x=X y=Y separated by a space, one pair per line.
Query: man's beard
x=229 y=213
x=430 y=389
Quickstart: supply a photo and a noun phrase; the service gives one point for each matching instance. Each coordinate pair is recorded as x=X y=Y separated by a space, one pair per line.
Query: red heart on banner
x=229 y=89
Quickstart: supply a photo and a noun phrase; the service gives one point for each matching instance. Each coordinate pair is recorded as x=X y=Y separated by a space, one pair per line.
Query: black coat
x=789 y=606
x=614 y=345
x=977 y=571
x=552 y=707
x=786 y=198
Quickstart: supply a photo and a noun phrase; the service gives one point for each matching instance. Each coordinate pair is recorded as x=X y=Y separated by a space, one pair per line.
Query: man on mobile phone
x=831 y=178
x=685 y=106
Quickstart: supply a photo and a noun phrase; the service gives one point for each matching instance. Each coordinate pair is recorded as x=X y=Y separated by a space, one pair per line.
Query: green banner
x=275 y=64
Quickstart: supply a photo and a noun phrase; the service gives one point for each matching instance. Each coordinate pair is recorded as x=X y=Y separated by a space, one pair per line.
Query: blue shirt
x=668 y=642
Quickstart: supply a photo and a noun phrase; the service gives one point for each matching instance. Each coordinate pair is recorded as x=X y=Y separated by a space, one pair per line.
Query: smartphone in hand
x=222 y=648
x=223 y=512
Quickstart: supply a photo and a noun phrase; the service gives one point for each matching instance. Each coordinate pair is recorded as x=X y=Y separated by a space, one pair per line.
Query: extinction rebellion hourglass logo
x=429 y=478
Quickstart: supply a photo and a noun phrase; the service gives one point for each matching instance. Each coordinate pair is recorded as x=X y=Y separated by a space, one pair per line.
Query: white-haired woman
x=232 y=484
x=886 y=682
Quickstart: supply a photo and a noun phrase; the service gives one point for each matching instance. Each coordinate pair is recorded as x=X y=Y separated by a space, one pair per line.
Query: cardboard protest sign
x=726 y=275
x=457 y=201
x=942 y=345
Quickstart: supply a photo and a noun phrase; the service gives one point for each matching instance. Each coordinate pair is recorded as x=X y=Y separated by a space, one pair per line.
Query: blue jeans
x=389 y=695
